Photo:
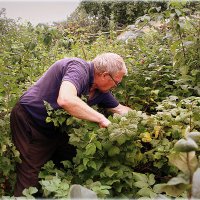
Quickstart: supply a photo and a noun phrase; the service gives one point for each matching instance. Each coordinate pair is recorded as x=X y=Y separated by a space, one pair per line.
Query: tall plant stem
x=181 y=38
x=191 y=175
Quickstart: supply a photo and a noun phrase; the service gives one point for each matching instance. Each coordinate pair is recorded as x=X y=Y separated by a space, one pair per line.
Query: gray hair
x=109 y=62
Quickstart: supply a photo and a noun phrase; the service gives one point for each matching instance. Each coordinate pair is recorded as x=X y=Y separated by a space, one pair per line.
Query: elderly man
x=62 y=85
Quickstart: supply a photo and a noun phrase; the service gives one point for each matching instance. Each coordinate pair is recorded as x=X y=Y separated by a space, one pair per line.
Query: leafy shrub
x=130 y=157
x=132 y=145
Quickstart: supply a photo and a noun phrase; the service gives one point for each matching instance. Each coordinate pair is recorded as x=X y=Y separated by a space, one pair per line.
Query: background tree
x=122 y=13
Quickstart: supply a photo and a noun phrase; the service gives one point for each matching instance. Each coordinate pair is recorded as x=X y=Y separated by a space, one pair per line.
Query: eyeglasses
x=116 y=83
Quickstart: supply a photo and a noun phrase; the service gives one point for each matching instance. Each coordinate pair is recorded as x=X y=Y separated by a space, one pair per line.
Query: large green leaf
x=90 y=149
x=175 y=187
x=113 y=151
x=109 y=172
x=186 y=145
x=141 y=184
x=29 y=192
x=171 y=190
x=151 y=179
x=186 y=162
x=140 y=177
x=146 y=192
x=119 y=136
x=178 y=180
x=194 y=135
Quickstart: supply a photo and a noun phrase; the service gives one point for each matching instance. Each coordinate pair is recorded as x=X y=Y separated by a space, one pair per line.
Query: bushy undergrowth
x=131 y=157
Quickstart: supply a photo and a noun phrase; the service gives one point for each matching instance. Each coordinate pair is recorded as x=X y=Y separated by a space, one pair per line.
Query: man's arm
x=120 y=109
x=70 y=102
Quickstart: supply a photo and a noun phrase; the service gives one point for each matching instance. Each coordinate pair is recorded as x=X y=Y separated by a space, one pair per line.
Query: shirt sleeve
x=77 y=75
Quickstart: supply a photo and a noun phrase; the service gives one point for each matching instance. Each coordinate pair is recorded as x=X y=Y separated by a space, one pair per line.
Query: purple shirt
x=79 y=72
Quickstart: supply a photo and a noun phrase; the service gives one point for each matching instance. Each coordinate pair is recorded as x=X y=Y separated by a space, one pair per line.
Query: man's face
x=107 y=81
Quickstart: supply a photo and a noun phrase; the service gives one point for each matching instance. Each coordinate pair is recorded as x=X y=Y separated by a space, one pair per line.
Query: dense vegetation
x=140 y=153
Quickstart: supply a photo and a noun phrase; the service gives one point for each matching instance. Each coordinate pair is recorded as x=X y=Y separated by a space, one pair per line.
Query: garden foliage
x=150 y=152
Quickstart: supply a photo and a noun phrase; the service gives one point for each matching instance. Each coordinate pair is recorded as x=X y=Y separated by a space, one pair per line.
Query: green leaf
x=194 y=135
x=48 y=120
x=67 y=164
x=122 y=139
x=92 y=125
x=81 y=168
x=114 y=151
x=51 y=185
x=178 y=12
x=105 y=187
x=171 y=190
x=92 y=164
x=69 y=121
x=85 y=161
x=151 y=179
x=48 y=105
x=146 y=192
x=175 y=45
x=186 y=162
x=140 y=177
x=74 y=139
x=29 y=191
x=98 y=145
x=109 y=172
x=99 y=163
x=90 y=149
x=196 y=184
x=177 y=180
x=110 y=182
x=107 y=145
x=119 y=188
x=64 y=186
x=186 y=145
x=141 y=184
x=119 y=136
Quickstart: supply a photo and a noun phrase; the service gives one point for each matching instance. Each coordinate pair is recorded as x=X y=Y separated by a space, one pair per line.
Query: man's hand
x=104 y=122
x=120 y=109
